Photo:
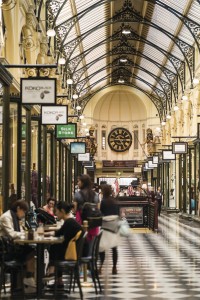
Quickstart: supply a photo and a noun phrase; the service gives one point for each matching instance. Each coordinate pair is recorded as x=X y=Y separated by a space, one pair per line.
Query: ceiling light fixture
x=51 y=32
x=184 y=98
x=176 y=108
x=69 y=81
x=126 y=30
x=61 y=61
x=196 y=80
x=78 y=107
x=163 y=123
x=123 y=59
x=168 y=117
x=81 y=117
x=121 y=80
x=75 y=96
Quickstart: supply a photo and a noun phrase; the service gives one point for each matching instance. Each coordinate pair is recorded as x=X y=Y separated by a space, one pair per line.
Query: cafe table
x=40 y=245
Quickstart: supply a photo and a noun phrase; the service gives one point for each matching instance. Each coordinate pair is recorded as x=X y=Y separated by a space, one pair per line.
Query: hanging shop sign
x=147 y=166
x=151 y=164
x=88 y=164
x=54 y=115
x=84 y=157
x=77 y=148
x=38 y=91
x=155 y=159
x=23 y=131
x=68 y=131
x=179 y=147
x=168 y=155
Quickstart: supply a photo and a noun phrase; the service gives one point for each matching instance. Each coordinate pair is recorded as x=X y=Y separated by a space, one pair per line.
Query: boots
x=114 y=270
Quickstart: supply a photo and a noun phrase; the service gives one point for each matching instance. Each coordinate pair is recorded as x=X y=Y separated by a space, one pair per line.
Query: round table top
x=43 y=240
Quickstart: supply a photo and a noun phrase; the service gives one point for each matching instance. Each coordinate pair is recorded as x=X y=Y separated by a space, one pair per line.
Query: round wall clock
x=120 y=139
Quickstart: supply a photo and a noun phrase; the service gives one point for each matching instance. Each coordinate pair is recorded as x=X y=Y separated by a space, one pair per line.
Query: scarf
x=15 y=221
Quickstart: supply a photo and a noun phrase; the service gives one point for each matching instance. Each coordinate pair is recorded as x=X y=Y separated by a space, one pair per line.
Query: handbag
x=124 y=228
x=111 y=223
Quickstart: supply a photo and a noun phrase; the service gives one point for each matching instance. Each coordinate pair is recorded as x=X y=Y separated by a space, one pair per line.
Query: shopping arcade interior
x=27 y=159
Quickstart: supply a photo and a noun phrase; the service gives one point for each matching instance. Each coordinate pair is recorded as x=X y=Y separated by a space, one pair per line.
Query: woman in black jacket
x=69 y=229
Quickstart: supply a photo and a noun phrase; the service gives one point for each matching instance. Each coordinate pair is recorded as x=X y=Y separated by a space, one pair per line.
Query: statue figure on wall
x=150 y=142
x=91 y=145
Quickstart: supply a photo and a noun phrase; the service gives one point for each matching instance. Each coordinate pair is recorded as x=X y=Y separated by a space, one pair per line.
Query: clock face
x=120 y=139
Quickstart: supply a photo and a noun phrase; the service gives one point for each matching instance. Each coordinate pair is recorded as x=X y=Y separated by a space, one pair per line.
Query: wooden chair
x=71 y=266
x=9 y=266
x=91 y=261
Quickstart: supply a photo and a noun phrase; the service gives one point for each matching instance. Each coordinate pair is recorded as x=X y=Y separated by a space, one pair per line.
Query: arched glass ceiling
x=171 y=26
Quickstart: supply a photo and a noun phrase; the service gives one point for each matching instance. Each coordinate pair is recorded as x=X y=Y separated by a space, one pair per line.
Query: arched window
x=143 y=133
x=103 y=137
x=135 y=137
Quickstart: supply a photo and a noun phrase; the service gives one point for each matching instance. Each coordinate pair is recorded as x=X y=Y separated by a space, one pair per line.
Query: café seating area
x=150 y=266
x=11 y=271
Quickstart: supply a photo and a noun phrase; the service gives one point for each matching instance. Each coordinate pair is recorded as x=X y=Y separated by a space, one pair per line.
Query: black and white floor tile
x=163 y=266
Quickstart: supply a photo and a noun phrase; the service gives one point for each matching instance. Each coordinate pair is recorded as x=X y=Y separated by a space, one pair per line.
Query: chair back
x=79 y=245
x=71 y=253
x=95 y=248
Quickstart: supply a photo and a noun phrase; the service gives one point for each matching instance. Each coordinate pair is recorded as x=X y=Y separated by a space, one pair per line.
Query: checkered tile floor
x=163 y=266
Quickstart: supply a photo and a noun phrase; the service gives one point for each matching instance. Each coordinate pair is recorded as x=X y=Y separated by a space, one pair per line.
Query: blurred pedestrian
x=158 y=197
x=109 y=209
x=85 y=194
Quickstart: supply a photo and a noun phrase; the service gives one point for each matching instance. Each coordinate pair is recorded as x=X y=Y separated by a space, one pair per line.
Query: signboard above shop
x=67 y=131
x=151 y=164
x=77 y=147
x=180 y=147
x=38 y=91
x=84 y=157
x=155 y=159
x=168 y=155
x=119 y=163
x=54 y=114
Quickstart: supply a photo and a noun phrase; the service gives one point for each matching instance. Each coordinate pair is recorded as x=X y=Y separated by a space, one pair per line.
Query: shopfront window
x=57 y=169
x=34 y=162
x=23 y=158
x=13 y=149
x=191 y=182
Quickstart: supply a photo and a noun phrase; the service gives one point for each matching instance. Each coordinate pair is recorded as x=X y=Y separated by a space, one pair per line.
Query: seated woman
x=10 y=228
x=50 y=206
x=69 y=229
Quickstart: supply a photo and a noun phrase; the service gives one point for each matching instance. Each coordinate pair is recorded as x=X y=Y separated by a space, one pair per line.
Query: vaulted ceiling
x=152 y=56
